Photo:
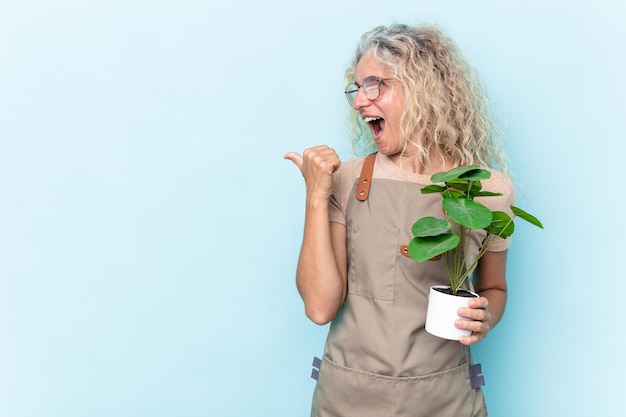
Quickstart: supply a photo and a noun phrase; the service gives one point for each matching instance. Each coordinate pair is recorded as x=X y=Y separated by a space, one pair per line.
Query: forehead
x=368 y=66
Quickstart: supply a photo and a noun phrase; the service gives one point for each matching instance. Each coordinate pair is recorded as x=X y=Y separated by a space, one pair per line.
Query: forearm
x=491 y=284
x=485 y=312
x=320 y=276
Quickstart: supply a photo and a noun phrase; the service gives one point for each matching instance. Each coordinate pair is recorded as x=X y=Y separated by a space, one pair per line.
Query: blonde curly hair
x=446 y=107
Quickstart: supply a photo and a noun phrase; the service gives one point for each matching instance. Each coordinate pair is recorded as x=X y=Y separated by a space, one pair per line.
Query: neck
x=412 y=163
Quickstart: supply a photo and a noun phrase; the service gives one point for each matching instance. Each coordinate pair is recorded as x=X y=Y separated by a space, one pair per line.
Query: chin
x=385 y=150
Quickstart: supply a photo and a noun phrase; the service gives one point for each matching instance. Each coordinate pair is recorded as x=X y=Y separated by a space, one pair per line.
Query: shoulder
x=352 y=166
x=502 y=184
x=343 y=182
x=349 y=171
x=499 y=183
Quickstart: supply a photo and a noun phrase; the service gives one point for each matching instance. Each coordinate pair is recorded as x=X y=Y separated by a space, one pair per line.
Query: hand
x=477 y=311
x=317 y=166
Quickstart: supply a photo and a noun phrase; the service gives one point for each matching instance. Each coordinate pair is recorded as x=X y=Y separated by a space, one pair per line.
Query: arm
x=322 y=265
x=485 y=312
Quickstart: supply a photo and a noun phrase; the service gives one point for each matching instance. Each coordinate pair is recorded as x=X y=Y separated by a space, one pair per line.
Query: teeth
x=370 y=119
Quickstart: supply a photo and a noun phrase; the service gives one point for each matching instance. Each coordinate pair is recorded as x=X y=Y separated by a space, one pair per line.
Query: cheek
x=395 y=105
x=395 y=116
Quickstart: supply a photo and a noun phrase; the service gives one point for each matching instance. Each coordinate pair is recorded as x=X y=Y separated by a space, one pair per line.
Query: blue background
x=149 y=227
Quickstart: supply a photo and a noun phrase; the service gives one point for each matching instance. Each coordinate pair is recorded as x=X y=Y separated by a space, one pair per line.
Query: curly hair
x=446 y=107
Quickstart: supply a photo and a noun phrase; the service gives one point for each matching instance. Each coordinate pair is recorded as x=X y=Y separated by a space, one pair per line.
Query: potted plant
x=449 y=237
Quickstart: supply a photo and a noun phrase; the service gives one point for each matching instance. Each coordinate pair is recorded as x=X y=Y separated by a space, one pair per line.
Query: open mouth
x=376 y=124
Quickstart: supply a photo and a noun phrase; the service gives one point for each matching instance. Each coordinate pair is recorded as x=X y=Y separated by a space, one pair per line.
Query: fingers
x=476 y=310
x=295 y=157
x=477 y=321
x=317 y=166
x=322 y=157
x=473 y=339
x=318 y=159
x=479 y=330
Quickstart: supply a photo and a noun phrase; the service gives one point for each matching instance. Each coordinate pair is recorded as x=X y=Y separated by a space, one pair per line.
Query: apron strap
x=363 y=188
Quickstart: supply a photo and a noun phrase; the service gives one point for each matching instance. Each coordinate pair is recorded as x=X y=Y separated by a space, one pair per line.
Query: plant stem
x=487 y=241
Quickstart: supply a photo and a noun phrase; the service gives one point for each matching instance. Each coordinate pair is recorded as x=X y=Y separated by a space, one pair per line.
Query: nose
x=360 y=100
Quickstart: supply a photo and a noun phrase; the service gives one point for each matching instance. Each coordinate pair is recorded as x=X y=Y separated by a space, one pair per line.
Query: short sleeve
x=344 y=179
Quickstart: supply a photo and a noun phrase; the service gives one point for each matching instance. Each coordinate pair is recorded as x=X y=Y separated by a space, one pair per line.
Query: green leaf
x=424 y=248
x=501 y=225
x=526 y=216
x=453 y=194
x=476 y=174
x=430 y=226
x=465 y=186
x=468 y=213
x=430 y=189
x=485 y=194
x=452 y=174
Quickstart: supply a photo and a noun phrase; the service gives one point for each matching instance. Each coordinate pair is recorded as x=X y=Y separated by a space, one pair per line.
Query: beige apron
x=378 y=359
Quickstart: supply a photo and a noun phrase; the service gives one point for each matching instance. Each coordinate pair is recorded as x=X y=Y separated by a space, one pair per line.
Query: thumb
x=294 y=157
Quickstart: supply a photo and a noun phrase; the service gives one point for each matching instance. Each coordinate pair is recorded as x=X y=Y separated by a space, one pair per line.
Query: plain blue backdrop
x=149 y=227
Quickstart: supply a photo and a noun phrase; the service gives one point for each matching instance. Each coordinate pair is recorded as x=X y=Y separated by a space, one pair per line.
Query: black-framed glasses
x=371 y=88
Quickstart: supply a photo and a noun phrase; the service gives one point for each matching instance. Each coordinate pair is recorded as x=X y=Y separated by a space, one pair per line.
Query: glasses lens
x=351 y=90
x=371 y=88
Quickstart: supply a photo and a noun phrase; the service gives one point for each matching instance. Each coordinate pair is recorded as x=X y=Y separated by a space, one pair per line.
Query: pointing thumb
x=294 y=157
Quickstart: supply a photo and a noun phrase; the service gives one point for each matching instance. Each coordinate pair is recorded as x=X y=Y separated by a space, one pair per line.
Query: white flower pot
x=442 y=313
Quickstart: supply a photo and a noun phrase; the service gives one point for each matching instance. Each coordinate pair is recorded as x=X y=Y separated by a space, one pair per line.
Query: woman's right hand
x=317 y=166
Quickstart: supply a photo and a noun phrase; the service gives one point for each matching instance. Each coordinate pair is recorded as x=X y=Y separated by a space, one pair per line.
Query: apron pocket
x=346 y=392
x=447 y=393
x=376 y=248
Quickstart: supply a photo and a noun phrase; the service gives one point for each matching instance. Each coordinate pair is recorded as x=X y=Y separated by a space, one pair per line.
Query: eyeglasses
x=371 y=88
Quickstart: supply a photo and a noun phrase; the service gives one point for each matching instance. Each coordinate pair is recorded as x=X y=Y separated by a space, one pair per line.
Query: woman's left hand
x=479 y=317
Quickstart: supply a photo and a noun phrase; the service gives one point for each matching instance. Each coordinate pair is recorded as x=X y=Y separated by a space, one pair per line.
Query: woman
x=425 y=113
